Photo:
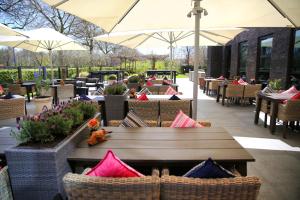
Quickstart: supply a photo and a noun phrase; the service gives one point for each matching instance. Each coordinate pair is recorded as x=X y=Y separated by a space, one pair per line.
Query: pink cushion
x=221 y=78
x=291 y=90
x=143 y=97
x=235 y=82
x=184 y=121
x=112 y=166
x=1 y=89
x=242 y=82
x=149 y=83
x=296 y=96
x=171 y=91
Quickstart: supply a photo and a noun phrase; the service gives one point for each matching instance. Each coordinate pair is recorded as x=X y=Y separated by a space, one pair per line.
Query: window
x=295 y=68
x=243 y=53
x=264 y=62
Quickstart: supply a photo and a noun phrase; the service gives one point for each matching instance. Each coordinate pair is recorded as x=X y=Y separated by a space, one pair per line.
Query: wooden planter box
x=36 y=173
x=114 y=106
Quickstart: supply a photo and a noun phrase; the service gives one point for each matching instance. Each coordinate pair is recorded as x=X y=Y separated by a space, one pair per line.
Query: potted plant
x=114 y=97
x=275 y=84
x=134 y=82
x=126 y=74
x=38 y=164
x=43 y=94
x=112 y=79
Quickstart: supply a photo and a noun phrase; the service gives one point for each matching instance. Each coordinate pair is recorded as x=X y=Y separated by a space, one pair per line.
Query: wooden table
x=159 y=147
x=275 y=99
x=6 y=141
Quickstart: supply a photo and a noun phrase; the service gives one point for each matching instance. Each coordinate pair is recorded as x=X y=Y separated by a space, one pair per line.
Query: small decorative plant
x=115 y=89
x=126 y=74
x=40 y=84
x=94 y=124
x=112 y=77
x=55 y=124
x=134 y=79
x=275 y=84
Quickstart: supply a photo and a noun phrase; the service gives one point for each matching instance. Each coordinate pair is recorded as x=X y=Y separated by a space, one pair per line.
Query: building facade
x=258 y=53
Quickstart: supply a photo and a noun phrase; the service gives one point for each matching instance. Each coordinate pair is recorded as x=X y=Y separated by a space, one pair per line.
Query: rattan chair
x=5 y=189
x=183 y=188
x=17 y=89
x=157 y=81
x=201 y=83
x=12 y=108
x=170 y=108
x=153 y=89
x=213 y=86
x=288 y=112
x=163 y=89
x=234 y=93
x=148 y=111
x=82 y=187
x=250 y=92
x=65 y=92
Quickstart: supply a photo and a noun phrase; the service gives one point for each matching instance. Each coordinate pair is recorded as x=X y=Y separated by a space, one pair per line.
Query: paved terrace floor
x=277 y=159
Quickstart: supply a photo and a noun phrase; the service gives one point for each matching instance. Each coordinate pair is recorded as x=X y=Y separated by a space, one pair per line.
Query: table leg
x=223 y=95
x=241 y=168
x=218 y=94
x=257 y=110
x=28 y=94
x=274 y=110
x=204 y=87
x=207 y=84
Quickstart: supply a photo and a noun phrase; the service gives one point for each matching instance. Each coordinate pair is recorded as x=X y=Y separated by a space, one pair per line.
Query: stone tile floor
x=277 y=159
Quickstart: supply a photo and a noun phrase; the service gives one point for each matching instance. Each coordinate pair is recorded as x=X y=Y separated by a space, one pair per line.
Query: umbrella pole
x=196 y=57
x=51 y=65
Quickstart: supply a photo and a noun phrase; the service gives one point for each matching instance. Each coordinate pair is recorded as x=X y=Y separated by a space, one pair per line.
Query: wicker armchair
x=289 y=112
x=12 y=108
x=213 y=86
x=183 y=188
x=82 y=187
x=5 y=189
x=157 y=81
x=234 y=93
x=17 y=89
x=65 y=92
x=201 y=83
x=250 y=92
x=153 y=89
x=170 y=108
x=147 y=110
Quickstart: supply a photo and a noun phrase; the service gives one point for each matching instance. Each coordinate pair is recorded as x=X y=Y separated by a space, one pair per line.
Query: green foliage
x=126 y=74
x=115 y=89
x=83 y=74
x=134 y=79
x=275 y=84
x=75 y=115
x=39 y=84
x=112 y=77
x=33 y=131
x=59 y=125
x=88 y=110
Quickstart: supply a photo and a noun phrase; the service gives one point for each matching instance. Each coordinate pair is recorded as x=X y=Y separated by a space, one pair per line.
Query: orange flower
x=93 y=123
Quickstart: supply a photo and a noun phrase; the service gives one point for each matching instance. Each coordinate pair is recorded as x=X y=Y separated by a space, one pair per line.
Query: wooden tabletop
x=157 y=145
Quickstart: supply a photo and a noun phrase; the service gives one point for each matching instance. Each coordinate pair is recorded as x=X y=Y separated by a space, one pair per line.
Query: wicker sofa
x=82 y=187
x=12 y=108
x=183 y=188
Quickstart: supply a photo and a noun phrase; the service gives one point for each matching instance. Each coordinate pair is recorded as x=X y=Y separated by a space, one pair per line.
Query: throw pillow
x=183 y=121
x=242 y=82
x=174 y=97
x=144 y=91
x=296 y=96
x=209 y=169
x=8 y=96
x=149 y=83
x=170 y=91
x=221 y=78
x=132 y=121
x=267 y=90
x=112 y=166
x=291 y=90
x=143 y=97
x=235 y=82
x=83 y=97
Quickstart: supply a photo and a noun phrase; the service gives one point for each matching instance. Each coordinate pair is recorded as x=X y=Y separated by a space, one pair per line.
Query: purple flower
x=36 y=75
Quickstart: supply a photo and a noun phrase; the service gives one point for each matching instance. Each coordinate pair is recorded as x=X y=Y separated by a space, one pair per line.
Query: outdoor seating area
x=195 y=100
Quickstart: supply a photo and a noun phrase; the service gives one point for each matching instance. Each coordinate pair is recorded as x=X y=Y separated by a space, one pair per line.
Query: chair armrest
x=155 y=172
x=165 y=172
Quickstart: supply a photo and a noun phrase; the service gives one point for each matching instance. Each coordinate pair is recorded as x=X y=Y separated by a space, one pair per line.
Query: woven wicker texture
x=169 y=109
x=213 y=85
x=12 y=108
x=5 y=190
x=65 y=91
x=234 y=90
x=201 y=83
x=163 y=89
x=251 y=91
x=289 y=111
x=50 y=92
x=17 y=89
x=116 y=123
x=147 y=110
x=153 y=89
x=182 y=188
x=265 y=106
x=82 y=187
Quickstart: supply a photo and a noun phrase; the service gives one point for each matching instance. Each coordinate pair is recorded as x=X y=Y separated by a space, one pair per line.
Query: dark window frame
x=258 y=66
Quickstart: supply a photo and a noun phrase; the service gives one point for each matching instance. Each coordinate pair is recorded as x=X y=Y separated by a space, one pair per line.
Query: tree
x=188 y=51
x=154 y=58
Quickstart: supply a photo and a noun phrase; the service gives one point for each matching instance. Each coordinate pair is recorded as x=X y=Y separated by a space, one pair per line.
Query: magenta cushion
x=112 y=166
x=171 y=91
x=296 y=96
x=143 y=97
x=291 y=90
x=183 y=121
x=242 y=82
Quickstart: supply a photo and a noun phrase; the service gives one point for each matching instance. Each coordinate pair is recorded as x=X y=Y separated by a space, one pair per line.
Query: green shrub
x=275 y=84
x=134 y=79
x=75 y=115
x=88 y=110
x=59 y=126
x=115 y=89
x=112 y=77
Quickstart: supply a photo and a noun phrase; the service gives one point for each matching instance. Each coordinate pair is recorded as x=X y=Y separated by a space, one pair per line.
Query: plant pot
x=36 y=172
x=41 y=102
x=136 y=86
x=115 y=107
